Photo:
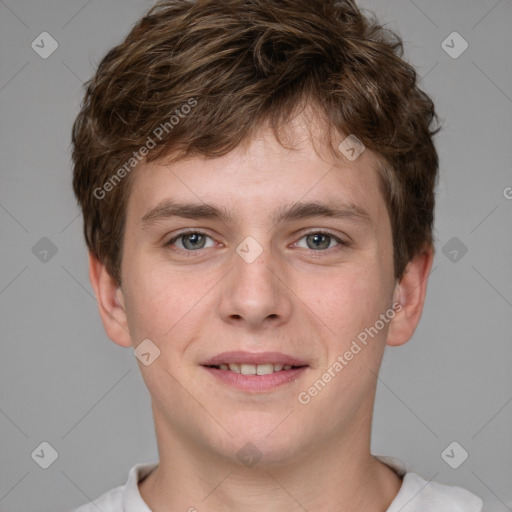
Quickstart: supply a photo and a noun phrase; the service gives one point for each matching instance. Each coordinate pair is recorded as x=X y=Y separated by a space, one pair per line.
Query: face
x=265 y=256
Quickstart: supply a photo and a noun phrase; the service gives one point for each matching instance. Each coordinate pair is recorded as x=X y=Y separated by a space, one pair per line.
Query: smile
x=253 y=369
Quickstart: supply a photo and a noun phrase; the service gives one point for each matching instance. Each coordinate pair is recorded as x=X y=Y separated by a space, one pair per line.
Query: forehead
x=261 y=179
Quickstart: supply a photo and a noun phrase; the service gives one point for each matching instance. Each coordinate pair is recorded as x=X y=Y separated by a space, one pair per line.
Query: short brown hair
x=243 y=63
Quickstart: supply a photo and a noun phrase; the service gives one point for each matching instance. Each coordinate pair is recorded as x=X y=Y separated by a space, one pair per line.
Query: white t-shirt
x=415 y=495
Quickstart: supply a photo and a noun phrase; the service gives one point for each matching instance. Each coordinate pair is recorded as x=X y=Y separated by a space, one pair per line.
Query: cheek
x=347 y=302
x=148 y=295
x=162 y=303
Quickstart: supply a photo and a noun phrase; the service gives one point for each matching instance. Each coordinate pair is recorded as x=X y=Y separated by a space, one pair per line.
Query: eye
x=191 y=241
x=319 y=240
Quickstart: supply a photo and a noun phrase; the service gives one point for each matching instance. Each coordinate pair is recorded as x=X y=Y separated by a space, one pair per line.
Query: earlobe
x=111 y=302
x=410 y=292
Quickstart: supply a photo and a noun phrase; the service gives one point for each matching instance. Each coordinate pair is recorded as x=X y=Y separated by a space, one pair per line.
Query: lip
x=254 y=358
x=255 y=383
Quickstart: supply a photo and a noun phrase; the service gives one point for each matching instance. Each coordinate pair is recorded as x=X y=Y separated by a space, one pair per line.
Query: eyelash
x=190 y=253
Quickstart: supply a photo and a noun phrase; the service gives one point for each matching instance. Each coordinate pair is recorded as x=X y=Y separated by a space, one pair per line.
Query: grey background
x=62 y=381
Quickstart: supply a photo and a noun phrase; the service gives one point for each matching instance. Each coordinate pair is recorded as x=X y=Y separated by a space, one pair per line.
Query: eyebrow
x=297 y=211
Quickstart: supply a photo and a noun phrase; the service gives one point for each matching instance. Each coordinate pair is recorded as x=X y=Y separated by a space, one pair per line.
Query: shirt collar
x=132 y=500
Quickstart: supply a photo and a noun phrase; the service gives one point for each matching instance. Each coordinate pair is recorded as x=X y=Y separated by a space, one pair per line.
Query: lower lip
x=257 y=382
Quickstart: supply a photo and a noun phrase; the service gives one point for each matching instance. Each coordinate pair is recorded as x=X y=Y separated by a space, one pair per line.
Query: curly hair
x=235 y=65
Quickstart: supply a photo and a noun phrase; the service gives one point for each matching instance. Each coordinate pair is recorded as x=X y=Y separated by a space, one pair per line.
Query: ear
x=110 y=301
x=410 y=292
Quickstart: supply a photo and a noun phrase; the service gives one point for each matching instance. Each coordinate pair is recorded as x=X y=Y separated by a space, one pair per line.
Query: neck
x=336 y=475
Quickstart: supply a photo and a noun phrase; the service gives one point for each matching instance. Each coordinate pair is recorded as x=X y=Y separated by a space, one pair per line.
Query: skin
x=294 y=298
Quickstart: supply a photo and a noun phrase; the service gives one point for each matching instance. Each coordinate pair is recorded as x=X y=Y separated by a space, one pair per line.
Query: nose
x=255 y=292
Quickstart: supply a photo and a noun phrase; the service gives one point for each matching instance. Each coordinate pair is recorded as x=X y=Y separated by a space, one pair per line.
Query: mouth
x=254 y=369
x=255 y=372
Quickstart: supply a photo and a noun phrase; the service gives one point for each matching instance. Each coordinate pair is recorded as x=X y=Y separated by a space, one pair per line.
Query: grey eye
x=318 y=241
x=191 y=241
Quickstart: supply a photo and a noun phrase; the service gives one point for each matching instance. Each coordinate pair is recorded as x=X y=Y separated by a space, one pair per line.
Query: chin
x=268 y=440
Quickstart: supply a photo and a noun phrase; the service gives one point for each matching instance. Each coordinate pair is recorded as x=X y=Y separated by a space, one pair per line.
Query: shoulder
x=108 y=502
x=420 y=495
x=124 y=497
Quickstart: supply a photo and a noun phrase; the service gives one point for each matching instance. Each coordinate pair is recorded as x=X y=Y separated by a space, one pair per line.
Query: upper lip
x=254 y=358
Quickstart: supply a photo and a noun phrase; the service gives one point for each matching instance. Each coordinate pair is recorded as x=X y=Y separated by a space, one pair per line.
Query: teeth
x=254 y=369
x=264 y=369
x=235 y=367
x=248 y=369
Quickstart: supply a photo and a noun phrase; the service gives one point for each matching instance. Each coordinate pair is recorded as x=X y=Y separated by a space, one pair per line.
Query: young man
x=256 y=179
